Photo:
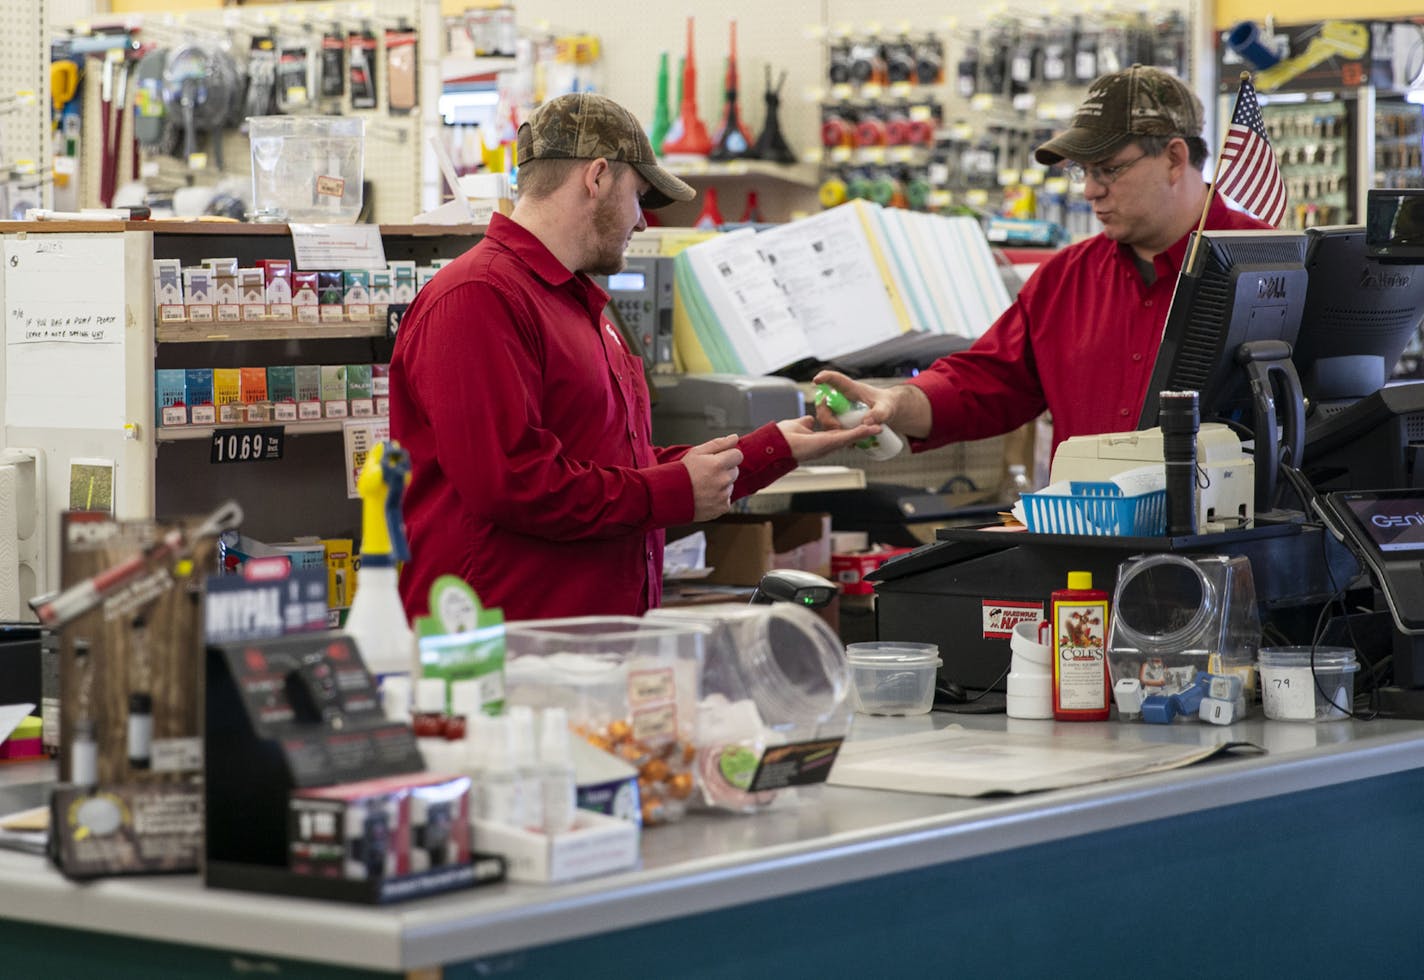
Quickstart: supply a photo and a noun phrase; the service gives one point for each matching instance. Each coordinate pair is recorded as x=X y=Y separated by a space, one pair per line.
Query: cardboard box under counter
x=741 y=548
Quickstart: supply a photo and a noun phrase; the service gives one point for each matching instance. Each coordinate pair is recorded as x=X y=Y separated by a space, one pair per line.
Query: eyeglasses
x=1104 y=176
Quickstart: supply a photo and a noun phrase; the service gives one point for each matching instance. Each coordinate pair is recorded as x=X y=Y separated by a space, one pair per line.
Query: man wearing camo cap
x=534 y=477
x=1081 y=338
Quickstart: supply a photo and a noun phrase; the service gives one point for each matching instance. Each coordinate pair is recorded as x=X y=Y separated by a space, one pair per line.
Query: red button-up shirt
x=533 y=473
x=1080 y=341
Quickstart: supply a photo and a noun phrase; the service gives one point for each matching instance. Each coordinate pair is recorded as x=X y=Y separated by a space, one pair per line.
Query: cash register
x=1336 y=310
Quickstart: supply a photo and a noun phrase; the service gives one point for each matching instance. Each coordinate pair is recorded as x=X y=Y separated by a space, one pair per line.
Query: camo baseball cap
x=585 y=126
x=1139 y=101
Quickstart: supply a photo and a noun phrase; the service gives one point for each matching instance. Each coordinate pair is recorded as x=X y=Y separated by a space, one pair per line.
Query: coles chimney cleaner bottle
x=879 y=447
x=377 y=620
x=1080 y=650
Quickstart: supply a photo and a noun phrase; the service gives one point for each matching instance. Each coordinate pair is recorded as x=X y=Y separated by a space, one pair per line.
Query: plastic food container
x=889 y=678
x=1289 y=692
x=306 y=169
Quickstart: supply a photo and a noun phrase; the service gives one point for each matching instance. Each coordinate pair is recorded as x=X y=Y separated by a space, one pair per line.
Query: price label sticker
x=255 y=444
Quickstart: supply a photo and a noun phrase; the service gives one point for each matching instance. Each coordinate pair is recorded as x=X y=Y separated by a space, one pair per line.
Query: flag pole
x=1211 y=187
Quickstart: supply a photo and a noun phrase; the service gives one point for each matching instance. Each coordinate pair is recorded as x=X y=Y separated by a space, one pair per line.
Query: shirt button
x=769 y=450
x=1147 y=302
x=1122 y=412
x=1137 y=357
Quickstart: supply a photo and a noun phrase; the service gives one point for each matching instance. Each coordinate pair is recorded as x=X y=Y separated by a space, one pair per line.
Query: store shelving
x=183 y=433
x=189 y=332
x=697 y=168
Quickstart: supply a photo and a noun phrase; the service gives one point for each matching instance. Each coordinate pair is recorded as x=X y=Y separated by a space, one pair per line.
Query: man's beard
x=608 y=242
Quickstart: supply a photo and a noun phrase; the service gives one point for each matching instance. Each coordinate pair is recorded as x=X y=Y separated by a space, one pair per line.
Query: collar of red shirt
x=534 y=254
x=1169 y=263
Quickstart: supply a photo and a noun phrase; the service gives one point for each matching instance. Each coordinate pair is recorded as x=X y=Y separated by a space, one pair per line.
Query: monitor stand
x=1274 y=382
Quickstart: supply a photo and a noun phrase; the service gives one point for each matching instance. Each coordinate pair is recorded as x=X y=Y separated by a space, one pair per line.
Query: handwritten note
x=64 y=331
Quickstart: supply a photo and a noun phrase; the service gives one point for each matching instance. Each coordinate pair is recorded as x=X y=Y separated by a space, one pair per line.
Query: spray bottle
x=879 y=447
x=377 y=621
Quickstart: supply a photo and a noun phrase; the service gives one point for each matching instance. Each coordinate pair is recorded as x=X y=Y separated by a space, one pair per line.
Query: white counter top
x=712 y=861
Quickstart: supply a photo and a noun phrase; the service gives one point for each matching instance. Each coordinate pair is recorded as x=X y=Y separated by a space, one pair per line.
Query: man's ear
x=593 y=174
x=1178 y=154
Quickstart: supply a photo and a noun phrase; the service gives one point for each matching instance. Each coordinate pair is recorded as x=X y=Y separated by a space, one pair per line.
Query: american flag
x=1249 y=174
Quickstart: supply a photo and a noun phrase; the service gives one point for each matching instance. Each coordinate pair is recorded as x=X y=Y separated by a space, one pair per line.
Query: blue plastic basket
x=1099 y=509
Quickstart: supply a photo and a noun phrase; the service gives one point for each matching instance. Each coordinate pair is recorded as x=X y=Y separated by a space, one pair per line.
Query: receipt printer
x=1225 y=475
x=691 y=408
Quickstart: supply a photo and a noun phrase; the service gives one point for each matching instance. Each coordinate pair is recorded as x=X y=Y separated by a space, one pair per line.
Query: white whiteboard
x=64 y=331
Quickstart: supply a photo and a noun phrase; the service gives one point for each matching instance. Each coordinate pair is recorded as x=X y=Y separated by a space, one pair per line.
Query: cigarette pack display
x=168 y=290
x=254 y=384
x=402 y=280
x=358 y=390
x=306 y=301
x=357 y=298
x=331 y=294
x=198 y=385
x=282 y=383
x=227 y=394
x=277 y=280
x=333 y=391
x=198 y=295
x=227 y=300
x=380 y=292
x=252 y=290
x=224 y=266
x=170 y=396
x=308 y=391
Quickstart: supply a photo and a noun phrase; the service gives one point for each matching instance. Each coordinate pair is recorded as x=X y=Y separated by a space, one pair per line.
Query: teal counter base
x=1322 y=883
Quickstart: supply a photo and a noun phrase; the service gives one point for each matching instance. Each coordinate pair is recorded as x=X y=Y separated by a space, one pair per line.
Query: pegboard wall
x=792 y=35
x=24 y=88
x=392 y=142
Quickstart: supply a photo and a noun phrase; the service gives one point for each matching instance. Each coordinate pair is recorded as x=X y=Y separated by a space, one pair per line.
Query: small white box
x=597 y=845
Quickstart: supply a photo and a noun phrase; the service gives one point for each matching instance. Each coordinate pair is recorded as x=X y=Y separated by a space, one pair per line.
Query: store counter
x=1304 y=861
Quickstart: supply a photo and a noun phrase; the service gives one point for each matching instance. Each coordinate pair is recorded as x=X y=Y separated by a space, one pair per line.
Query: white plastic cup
x=1030 y=686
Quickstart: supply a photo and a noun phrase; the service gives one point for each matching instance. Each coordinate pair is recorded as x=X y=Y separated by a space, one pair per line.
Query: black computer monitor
x=1360 y=314
x=1234 y=316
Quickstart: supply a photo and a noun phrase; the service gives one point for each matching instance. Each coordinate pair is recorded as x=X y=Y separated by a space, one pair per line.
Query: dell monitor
x=1234 y=316
x=1360 y=314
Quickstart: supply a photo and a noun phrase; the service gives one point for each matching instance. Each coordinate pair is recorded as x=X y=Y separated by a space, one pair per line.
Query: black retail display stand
x=269 y=730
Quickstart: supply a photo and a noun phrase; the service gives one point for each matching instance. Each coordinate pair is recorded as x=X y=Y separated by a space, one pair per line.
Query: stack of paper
x=856 y=285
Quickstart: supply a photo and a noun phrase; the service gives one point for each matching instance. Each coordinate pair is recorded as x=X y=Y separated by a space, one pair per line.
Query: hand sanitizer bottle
x=880 y=447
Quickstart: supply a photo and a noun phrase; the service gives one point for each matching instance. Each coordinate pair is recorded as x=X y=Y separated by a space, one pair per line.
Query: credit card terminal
x=1385 y=529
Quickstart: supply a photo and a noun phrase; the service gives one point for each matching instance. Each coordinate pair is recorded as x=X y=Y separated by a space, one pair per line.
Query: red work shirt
x=1080 y=341
x=533 y=474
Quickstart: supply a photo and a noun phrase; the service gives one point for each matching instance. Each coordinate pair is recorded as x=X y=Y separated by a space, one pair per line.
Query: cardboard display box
x=741 y=548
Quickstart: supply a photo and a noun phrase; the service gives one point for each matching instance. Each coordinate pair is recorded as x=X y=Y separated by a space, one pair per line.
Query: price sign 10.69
x=259 y=444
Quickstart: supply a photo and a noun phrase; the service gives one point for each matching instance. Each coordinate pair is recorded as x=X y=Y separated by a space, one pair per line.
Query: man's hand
x=903 y=408
x=713 y=468
x=807 y=443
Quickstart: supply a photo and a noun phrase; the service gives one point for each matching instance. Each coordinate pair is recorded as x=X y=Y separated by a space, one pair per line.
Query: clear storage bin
x=306 y=169
x=630 y=686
